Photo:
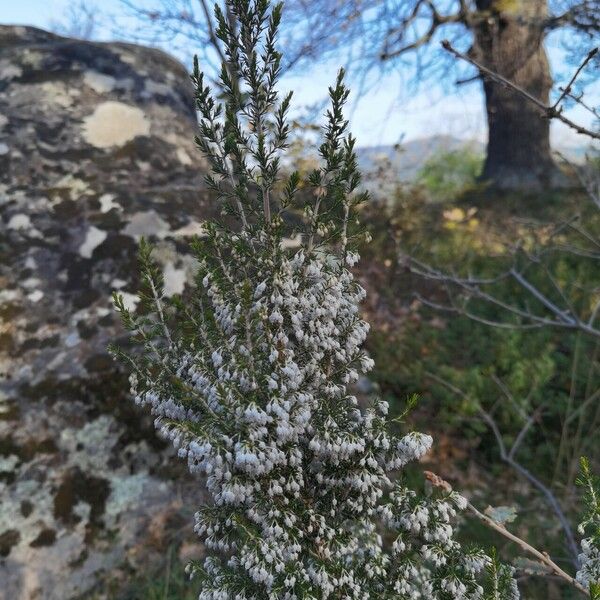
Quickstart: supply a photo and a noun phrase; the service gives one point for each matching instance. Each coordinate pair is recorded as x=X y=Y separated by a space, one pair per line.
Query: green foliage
x=168 y=583
x=447 y=175
x=465 y=365
x=591 y=487
x=500 y=578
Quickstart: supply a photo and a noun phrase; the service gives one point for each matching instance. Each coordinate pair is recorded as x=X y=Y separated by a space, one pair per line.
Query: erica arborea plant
x=250 y=374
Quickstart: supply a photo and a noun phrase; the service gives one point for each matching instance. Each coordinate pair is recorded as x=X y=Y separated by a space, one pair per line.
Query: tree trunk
x=509 y=40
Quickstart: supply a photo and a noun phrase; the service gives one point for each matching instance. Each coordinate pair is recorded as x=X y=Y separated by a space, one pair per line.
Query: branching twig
x=436 y=20
x=543 y=557
x=566 y=91
x=473 y=287
x=550 y=112
x=211 y=32
x=508 y=456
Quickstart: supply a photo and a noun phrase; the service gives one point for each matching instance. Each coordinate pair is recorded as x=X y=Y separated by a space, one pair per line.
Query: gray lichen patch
x=177 y=269
x=9 y=71
x=99 y=82
x=93 y=238
x=57 y=94
x=146 y=224
x=174 y=279
x=128 y=493
x=65 y=517
x=107 y=203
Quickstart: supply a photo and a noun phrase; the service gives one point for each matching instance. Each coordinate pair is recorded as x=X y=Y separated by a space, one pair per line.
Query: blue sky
x=389 y=112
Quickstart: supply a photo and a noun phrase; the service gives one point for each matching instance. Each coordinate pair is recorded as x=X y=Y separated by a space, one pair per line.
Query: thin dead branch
x=542 y=557
x=549 y=112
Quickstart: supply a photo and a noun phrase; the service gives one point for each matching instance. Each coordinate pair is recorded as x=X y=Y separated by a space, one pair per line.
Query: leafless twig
x=566 y=91
x=543 y=557
x=474 y=288
x=550 y=112
x=508 y=456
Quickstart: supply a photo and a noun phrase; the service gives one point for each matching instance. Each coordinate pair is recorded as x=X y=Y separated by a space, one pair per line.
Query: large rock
x=96 y=150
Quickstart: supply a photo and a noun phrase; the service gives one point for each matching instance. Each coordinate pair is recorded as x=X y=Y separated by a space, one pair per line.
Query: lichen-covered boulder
x=96 y=150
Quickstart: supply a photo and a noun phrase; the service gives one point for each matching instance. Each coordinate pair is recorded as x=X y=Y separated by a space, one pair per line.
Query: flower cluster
x=250 y=376
x=589 y=560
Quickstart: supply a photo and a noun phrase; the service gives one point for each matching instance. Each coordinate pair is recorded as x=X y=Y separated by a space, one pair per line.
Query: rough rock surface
x=96 y=150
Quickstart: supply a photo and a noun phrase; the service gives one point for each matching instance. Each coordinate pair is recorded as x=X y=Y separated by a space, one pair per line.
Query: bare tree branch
x=508 y=457
x=583 y=16
x=211 y=32
x=566 y=91
x=550 y=112
x=473 y=288
x=436 y=21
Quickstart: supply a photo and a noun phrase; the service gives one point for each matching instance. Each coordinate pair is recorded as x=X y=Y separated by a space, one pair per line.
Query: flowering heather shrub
x=588 y=574
x=249 y=376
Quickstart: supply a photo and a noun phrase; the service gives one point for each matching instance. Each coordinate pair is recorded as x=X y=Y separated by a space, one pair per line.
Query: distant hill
x=404 y=160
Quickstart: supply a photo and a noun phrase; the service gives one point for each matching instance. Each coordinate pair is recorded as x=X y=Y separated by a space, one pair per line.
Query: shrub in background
x=447 y=175
x=545 y=374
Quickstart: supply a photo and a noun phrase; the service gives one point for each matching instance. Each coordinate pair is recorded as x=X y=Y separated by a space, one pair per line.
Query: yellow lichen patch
x=183 y=157
x=113 y=124
x=192 y=228
x=76 y=187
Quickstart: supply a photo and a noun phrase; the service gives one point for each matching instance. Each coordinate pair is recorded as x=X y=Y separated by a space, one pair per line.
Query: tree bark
x=509 y=39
